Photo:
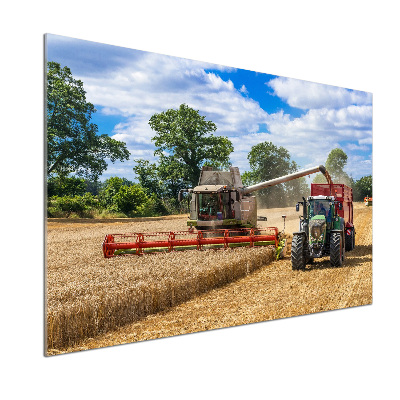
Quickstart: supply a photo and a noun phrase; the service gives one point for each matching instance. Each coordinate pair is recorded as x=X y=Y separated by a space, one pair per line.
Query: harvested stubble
x=91 y=296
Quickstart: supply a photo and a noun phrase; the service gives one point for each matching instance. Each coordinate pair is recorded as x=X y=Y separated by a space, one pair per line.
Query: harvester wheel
x=336 y=250
x=298 y=253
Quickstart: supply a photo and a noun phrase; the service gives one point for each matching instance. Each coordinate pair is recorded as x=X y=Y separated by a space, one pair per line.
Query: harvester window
x=215 y=206
x=208 y=206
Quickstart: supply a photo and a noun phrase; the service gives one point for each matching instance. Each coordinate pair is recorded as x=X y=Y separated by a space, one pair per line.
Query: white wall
x=341 y=354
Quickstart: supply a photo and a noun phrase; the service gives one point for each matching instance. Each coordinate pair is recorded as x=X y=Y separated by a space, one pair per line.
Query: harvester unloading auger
x=224 y=213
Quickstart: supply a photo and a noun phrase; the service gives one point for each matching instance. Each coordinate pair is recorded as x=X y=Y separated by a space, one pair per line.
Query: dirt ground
x=274 y=291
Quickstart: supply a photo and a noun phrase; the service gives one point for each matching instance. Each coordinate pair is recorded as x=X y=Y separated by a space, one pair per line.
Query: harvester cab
x=326 y=226
x=215 y=202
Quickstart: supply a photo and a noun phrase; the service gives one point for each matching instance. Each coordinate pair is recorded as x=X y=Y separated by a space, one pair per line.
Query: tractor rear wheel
x=298 y=254
x=336 y=250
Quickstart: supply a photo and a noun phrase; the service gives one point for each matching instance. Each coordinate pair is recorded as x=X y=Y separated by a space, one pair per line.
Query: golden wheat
x=88 y=295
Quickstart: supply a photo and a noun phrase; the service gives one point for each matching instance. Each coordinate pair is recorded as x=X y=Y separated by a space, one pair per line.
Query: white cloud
x=367 y=140
x=156 y=83
x=313 y=135
x=353 y=122
x=135 y=130
x=308 y=95
x=358 y=166
x=153 y=83
x=243 y=89
x=355 y=147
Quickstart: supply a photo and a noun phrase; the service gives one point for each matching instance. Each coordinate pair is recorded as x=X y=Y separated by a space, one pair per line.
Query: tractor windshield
x=320 y=207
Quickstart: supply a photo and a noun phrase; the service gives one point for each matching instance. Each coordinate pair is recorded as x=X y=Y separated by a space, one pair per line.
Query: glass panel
x=208 y=206
x=320 y=207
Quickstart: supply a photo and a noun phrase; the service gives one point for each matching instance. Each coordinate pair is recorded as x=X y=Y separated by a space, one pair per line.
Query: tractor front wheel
x=336 y=250
x=298 y=254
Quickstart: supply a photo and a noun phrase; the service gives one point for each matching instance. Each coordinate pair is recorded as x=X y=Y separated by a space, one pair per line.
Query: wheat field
x=88 y=295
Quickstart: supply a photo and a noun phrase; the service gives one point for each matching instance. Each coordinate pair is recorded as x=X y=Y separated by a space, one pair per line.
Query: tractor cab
x=321 y=205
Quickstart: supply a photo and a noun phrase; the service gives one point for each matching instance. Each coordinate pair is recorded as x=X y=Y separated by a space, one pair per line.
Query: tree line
x=184 y=141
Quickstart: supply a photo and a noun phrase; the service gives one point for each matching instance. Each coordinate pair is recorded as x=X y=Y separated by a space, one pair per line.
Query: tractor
x=326 y=226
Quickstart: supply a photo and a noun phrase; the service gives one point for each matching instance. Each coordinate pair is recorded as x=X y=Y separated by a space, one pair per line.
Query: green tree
x=120 y=194
x=110 y=188
x=268 y=161
x=170 y=172
x=336 y=161
x=162 y=183
x=129 y=199
x=297 y=188
x=362 y=188
x=187 y=138
x=335 y=164
x=247 y=178
x=93 y=187
x=73 y=144
x=65 y=186
x=319 y=178
x=148 y=177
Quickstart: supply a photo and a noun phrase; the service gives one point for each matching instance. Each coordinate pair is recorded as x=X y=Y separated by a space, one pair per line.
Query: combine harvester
x=223 y=212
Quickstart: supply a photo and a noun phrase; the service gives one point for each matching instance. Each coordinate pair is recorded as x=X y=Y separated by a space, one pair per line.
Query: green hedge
x=66 y=206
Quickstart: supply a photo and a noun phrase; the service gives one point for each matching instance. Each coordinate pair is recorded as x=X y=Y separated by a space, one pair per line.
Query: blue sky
x=128 y=86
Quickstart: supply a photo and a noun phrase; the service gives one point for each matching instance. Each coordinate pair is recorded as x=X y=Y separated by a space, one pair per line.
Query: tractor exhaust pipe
x=286 y=178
